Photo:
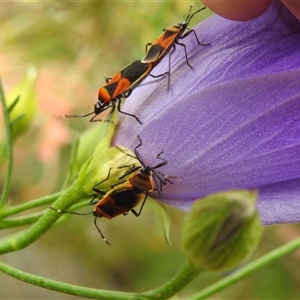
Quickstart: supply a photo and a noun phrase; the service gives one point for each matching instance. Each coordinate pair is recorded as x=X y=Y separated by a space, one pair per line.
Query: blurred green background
x=74 y=45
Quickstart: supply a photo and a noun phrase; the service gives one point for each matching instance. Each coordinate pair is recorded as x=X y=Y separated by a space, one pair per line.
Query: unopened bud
x=27 y=104
x=222 y=230
x=105 y=163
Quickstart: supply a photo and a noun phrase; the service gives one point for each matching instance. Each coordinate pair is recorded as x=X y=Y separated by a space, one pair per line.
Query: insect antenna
x=103 y=238
x=70 y=212
x=74 y=116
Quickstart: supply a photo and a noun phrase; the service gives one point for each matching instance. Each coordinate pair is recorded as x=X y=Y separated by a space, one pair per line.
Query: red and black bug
x=119 y=87
x=169 y=39
x=124 y=196
x=120 y=199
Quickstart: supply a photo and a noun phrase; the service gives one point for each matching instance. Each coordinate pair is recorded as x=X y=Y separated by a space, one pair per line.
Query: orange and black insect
x=118 y=87
x=124 y=196
x=120 y=199
x=169 y=39
x=121 y=85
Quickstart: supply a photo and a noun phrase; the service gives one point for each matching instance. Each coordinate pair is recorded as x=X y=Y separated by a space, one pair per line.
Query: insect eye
x=97 y=108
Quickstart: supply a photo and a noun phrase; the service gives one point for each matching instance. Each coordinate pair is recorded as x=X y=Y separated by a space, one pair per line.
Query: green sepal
x=164 y=214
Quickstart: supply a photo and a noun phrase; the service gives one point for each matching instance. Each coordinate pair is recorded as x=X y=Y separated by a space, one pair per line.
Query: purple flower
x=231 y=122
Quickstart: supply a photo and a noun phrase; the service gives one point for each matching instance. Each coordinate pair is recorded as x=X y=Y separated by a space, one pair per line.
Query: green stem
x=9 y=149
x=9 y=211
x=16 y=222
x=63 y=287
x=30 y=219
x=23 y=239
x=249 y=269
x=187 y=274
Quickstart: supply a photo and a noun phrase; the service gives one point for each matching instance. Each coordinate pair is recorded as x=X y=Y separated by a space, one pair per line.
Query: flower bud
x=87 y=143
x=222 y=230
x=106 y=162
x=27 y=104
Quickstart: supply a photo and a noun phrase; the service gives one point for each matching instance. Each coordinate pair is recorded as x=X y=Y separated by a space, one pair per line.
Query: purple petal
x=231 y=122
x=279 y=202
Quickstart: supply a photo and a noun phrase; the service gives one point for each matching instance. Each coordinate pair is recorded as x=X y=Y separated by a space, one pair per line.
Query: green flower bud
x=104 y=159
x=27 y=103
x=222 y=230
x=88 y=141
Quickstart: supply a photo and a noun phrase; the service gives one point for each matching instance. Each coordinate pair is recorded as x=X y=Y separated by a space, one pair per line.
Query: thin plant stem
x=62 y=287
x=247 y=270
x=21 y=221
x=185 y=276
x=9 y=211
x=9 y=148
x=44 y=223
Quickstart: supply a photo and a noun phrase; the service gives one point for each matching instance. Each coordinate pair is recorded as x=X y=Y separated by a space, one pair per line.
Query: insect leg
x=97 y=190
x=138 y=213
x=125 y=113
x=193 y=31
